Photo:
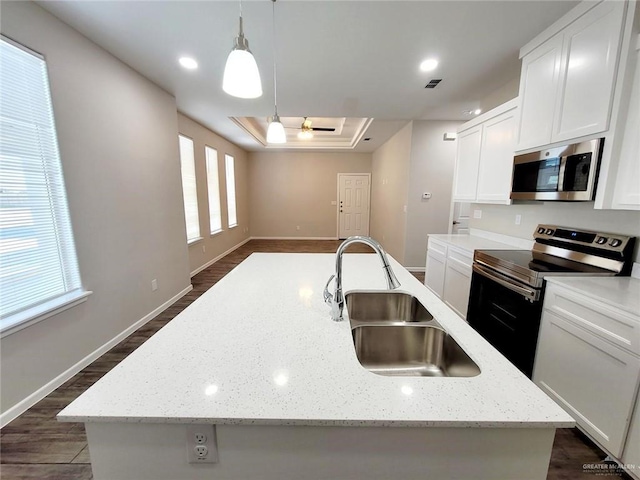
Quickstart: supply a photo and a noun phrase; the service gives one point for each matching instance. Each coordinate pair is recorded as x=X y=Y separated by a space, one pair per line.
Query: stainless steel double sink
x=395 y=335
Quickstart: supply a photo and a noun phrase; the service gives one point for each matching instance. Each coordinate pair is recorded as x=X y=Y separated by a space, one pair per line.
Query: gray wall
x=290 y=189
x=431 y=170
x=389 y=192
x=118 y=143
x=210 y=247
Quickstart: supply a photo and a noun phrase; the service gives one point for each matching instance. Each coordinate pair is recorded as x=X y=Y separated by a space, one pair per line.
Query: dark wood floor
x=36 y=446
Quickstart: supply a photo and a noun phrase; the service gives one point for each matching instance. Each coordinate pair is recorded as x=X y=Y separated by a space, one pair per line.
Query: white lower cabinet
x=631 y=453
x=587 y=361
x=436 y=266
x=448 y=275
x=457 y=281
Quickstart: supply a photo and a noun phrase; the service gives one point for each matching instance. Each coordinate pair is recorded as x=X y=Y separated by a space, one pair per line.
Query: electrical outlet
x=297 y=227
x=154 y=285
x=477 y=214
x=202 y=444
x=518 y=219
x=204 y=248
x=201 y=451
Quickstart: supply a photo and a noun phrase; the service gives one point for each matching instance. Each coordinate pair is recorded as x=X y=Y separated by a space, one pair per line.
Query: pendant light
x=275 y=132
x=241 y=76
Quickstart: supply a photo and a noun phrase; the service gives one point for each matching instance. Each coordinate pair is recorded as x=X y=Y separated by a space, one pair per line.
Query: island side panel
x=158 y=451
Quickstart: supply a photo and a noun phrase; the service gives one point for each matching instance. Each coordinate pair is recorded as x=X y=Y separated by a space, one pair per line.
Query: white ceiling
x=334 y=58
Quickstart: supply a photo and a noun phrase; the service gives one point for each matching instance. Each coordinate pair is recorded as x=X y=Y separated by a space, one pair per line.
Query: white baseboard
x=22 y=406
x=223 y=254
x=294 y=238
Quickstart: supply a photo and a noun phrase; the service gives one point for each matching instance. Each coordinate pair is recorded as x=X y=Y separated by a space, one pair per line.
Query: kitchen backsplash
x=502 y=219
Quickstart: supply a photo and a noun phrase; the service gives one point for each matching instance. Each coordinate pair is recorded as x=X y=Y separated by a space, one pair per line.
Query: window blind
x=213 y=189
x=231 y=190
x=189 y=190
x=38 y=262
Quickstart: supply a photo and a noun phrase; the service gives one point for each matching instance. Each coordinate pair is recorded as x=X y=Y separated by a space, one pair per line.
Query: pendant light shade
x=241 y=75
x=275 y=132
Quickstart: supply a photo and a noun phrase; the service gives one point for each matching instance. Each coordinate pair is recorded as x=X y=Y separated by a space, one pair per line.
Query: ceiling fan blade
x=323 y=129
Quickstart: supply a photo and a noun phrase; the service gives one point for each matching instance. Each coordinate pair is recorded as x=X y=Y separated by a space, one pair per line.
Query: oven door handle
x=529 y=293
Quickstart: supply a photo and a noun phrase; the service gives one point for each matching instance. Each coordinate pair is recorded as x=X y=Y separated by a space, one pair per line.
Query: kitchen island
x=259 y=357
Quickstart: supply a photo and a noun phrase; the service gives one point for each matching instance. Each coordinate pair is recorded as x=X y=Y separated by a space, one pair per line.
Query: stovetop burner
x=562 y=251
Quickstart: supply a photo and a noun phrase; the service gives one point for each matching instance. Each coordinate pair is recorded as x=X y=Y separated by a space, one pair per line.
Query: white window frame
x=189 y=189
x=232 y=206
x=37 y=237
x=213 y=190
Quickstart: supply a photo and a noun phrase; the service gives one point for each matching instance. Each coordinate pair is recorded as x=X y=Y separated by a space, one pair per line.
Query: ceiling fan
x=306 y=130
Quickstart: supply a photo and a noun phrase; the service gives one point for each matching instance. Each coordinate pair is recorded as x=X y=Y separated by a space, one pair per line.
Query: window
x=213 y=189
x=189 y=191
x=39 y=272
x=231 y=191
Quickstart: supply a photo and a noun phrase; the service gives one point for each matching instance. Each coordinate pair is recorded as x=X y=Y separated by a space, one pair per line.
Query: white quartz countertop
x=260 y=348
x=620 y=292
x=472 y=242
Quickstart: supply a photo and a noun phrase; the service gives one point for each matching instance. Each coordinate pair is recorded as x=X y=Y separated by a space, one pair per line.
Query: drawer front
x=435 y=246
x=615 y=326
x=461 y=258
x=591 y=379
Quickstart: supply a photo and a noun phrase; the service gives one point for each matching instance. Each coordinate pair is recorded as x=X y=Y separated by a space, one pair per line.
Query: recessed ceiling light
x=477 y=111
x=188 y=63
x=429 y=65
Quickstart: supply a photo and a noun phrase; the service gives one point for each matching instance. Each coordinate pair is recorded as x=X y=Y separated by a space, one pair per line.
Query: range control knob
x=601 y=240
x=549 y=231
x=615 y=242
x=541 y=230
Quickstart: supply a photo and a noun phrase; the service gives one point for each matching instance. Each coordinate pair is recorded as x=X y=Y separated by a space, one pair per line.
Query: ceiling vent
x=433 y=83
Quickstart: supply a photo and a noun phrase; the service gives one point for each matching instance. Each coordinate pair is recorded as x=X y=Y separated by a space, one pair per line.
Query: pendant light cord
x=275 y=82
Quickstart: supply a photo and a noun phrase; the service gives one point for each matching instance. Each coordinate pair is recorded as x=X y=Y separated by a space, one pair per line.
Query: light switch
x=477 y=214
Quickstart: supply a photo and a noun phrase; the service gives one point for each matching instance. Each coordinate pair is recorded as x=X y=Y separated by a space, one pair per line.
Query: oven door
x=506 y=314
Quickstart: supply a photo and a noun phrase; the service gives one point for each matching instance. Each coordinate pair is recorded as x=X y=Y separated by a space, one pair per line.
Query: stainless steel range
x=507 y=286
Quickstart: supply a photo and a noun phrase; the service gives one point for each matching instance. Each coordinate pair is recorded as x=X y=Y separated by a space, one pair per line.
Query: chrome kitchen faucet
x=336 y=301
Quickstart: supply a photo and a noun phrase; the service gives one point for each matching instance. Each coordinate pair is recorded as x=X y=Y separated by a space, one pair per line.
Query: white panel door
x=434 y=273
x=457 y=280
x=626 y=195
x=589 y=61
x=354 y=205
x=461 y=211
x=538 y=89
x=592 y=379
x=496 y=159
x=467 y=164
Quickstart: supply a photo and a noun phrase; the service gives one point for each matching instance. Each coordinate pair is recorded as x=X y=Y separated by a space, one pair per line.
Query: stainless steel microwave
x=565 y=173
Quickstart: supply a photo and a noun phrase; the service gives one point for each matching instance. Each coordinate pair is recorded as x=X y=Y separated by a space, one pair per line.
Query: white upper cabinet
x=627 y=187
x=538 y=86
x=467 y=164
x=589 y=62
x=568 y=80
x=484 y=161
x=496 y=158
